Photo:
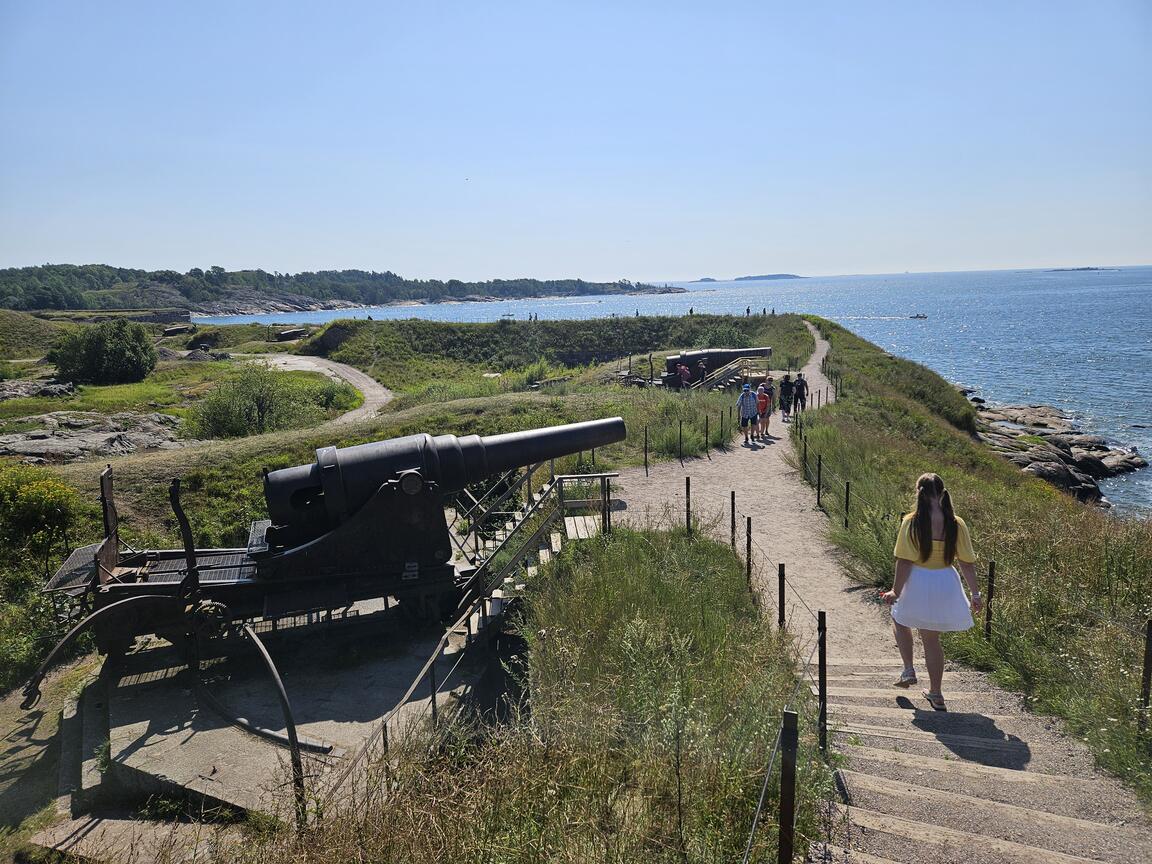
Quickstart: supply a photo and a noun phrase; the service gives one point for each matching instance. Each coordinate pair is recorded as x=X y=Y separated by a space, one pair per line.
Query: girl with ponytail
x=933 y=552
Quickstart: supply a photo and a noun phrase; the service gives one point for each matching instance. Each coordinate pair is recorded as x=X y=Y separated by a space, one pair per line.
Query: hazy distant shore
x=218 y=308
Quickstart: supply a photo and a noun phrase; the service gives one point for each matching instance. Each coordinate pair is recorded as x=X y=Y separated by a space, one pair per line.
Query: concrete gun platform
x=341 y=683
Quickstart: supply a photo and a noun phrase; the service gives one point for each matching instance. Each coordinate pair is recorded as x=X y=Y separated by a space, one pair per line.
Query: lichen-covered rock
x=24 y=389
x=1045 y=442
x=69 y=436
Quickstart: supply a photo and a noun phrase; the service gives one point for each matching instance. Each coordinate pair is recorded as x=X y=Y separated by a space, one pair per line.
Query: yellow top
x=907 y=550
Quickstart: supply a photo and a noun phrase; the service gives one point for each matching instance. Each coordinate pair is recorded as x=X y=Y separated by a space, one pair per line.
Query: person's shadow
x=971 y=736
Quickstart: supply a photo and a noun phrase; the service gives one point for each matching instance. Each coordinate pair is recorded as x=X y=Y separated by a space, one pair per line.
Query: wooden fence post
x=780 y=606
x=688 y=505
x=707 y=438
x=789 y=738
x=733 y=520
x=681 y=444
x=822 y=636
x=847 y=499
x=645 y=451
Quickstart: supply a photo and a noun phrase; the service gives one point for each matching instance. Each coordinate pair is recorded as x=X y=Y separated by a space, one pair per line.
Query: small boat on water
x=919 y=316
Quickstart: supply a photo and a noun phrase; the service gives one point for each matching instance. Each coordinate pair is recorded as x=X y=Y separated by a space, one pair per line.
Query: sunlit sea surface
x=1079 y=340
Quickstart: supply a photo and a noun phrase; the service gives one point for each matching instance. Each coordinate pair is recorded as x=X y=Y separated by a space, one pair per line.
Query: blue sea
x=1079 y=340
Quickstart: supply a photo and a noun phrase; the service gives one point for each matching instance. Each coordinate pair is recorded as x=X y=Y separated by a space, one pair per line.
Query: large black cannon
x=359 y=523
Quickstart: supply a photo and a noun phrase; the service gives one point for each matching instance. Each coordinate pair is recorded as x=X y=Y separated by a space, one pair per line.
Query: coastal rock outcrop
x=1046 y=443
x=68 y=436
x=23 y=389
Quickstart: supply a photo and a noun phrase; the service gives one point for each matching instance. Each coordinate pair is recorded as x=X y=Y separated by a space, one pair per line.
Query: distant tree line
x=98 y=286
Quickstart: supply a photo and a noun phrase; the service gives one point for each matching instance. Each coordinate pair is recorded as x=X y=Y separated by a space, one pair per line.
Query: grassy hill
x=436 y=360
x=23 y=336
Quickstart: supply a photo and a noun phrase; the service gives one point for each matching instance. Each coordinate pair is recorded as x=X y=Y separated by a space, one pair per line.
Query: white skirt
x=933 y=600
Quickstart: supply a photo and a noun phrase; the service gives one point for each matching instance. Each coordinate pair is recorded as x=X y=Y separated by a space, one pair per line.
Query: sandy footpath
x=376 y=396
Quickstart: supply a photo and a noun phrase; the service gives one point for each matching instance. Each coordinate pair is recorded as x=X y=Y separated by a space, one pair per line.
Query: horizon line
x=654 y=282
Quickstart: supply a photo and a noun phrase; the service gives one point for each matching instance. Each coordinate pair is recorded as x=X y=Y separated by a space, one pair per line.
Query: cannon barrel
x=342 y=480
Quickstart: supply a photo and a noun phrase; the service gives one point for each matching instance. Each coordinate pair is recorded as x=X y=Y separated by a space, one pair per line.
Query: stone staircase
x=983 y=783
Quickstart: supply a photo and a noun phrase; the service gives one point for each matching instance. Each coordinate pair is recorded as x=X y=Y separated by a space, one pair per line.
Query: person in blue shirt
x=749 y=416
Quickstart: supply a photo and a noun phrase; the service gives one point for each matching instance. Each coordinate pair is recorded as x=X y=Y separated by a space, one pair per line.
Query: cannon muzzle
x=315 y=497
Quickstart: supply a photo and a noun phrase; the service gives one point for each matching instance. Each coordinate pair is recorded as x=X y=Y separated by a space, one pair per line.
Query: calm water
x=1079 y=340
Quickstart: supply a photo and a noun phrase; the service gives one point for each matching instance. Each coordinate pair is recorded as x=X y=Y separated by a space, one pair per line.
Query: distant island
x=765 y=277
x=1080 y=269
x=217 y=291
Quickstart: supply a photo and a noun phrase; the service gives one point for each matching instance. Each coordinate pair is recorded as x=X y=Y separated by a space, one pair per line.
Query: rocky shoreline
x=1046 y=443
x=256 y=304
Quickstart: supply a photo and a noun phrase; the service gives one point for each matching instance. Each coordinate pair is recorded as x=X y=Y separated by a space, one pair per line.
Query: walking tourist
x=702 y=369
x=763 y=407
x=786 y=388
x=685 y=376
x=799 y=393
x=933 y=551
x=769 y=388
x=746 y=404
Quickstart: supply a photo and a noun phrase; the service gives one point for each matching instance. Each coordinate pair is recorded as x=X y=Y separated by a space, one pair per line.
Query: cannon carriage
x=360 y=523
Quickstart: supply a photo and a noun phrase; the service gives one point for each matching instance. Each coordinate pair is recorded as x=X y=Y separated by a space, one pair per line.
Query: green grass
x=171 y=388
x=1073 y=585
x=26 y=336
x=428 y=361
x=654 y=692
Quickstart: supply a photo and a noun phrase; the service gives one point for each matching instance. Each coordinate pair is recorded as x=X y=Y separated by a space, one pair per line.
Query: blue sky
x=663 y=140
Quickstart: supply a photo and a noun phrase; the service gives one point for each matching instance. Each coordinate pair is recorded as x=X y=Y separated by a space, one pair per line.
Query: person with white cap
x=746 y=405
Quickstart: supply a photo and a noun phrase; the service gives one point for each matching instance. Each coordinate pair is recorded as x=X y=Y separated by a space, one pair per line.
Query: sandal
x=936 y=700
x=905 y=680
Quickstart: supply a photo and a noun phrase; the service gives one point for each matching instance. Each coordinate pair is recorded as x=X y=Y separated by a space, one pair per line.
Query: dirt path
x=376 y=396
x=985 y=782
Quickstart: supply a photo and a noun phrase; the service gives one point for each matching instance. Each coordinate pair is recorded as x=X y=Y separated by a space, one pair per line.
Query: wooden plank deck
x=581 y=527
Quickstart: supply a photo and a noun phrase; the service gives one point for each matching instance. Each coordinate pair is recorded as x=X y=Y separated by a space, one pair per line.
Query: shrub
x=112 y=352
x=35 y=507
x=260 y=400
x=37 y=511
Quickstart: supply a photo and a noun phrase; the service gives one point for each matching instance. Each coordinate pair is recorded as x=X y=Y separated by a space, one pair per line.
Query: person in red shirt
x=765 y=402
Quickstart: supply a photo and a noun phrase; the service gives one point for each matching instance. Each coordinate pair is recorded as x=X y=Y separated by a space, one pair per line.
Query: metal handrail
x=507 y=569
x=528 y=513
x=515 y=487
x=478 y=502
x=726 y=369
